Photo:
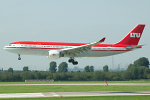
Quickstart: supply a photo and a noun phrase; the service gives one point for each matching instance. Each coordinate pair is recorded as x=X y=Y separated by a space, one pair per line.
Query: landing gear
x=75 y=63
x=19 y=58
x=71 y=60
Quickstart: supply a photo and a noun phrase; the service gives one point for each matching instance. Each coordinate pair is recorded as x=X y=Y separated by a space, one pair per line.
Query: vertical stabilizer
x=134 y=36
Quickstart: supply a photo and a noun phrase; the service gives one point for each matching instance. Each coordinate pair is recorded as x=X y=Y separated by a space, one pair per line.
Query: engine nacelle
x=54 y=54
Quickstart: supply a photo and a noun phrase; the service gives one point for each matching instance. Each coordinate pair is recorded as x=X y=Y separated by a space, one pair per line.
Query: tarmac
x=73 y=94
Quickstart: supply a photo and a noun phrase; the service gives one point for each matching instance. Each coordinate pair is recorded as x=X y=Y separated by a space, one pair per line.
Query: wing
x=76 y=50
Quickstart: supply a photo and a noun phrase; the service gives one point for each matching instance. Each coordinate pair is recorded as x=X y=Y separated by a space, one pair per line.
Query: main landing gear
x=19 y=58
x=71 y=60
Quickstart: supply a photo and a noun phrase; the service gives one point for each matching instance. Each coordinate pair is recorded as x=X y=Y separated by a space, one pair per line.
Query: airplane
x=55 y=50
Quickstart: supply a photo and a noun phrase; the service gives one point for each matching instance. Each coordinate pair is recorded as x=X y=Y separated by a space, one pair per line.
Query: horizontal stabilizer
x=134 y=47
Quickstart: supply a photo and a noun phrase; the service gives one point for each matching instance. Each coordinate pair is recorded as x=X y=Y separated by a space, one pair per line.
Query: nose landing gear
x=19 y=58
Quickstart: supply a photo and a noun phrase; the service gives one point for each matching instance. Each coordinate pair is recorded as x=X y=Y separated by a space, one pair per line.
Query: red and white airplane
x=55 y=50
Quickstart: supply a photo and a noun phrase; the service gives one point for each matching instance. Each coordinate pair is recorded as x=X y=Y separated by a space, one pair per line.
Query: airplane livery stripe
x=62 y=48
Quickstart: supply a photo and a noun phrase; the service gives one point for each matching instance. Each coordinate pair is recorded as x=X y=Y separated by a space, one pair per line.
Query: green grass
x=70 y=82
x=87 y=98
x=70 y=88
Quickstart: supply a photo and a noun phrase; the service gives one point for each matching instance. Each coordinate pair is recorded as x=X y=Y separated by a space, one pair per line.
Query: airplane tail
x=134 y=36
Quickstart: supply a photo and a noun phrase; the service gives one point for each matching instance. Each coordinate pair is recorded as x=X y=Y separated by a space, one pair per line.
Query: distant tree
x=129 y=67
x=25 y=68
x=63 y=67
x=37 y=75
x=138 y=70
x=91 y=69
x=87 y=69
x=27 y=75
x=52 y=67
x=105 y=68
x=134 y=72
x=141 y=62
x=10 y=70
x=143 y=72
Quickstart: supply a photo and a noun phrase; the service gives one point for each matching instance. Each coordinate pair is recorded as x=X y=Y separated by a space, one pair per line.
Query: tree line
x=138 y=70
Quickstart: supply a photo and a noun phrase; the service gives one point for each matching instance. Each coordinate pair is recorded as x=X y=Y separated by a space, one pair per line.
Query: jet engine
x=55 y=54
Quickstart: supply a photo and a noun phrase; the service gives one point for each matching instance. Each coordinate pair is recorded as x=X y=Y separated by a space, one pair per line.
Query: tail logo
x=138 y=35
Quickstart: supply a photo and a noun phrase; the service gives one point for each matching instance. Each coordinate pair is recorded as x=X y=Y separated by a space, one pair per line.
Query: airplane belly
x=28 y=51
x=100 y=53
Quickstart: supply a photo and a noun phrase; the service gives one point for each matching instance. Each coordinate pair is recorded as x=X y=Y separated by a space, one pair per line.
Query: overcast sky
x=71 y=21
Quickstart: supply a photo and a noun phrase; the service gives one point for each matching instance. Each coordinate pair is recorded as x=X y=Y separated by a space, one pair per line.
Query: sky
x=76 y=21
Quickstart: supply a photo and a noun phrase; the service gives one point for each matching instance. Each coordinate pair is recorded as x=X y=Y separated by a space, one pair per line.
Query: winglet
x=102 y=40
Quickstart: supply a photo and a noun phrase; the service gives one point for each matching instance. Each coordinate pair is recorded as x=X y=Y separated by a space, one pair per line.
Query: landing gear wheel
x=75 y=63
x=19 y=58
x=71 y=60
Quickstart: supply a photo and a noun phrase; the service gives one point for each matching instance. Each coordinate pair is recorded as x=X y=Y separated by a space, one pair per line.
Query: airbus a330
x=55 y=50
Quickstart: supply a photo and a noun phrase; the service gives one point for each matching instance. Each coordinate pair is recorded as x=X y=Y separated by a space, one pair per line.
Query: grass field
x=69 y=88
x=70 y=82
x=88 y=98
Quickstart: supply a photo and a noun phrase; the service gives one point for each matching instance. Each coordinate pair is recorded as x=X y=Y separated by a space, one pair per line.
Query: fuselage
x=43 y=48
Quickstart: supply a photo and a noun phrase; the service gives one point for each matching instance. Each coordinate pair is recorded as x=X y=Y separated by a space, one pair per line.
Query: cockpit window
x=10 y=44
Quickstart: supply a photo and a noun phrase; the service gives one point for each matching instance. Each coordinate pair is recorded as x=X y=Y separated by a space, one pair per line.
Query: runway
x=73 y=94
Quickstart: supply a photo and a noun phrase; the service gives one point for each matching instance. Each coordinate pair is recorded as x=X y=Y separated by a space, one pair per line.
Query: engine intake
x=55 y=54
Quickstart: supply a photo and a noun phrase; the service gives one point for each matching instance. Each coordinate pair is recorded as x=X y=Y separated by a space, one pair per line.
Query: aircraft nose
x=5 y=48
